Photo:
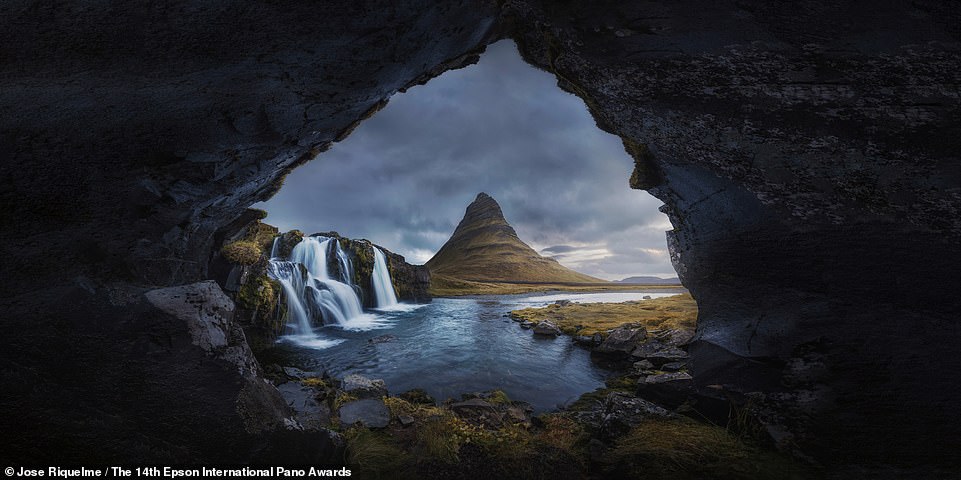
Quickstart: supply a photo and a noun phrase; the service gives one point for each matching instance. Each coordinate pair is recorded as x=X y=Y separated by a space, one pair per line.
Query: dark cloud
x=559 y=249
x=405 y=176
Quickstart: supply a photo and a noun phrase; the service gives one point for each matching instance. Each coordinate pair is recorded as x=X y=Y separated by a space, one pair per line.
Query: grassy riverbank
x=443 y=286
x=678 y=312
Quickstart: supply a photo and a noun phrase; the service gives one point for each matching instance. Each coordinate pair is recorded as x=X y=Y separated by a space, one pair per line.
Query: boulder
x=518 y=414
x=478 y=412
x=623 y=411
x=309 y=412
x=585 y=340
x=623 y=340
x=673 y=366
x=643 y=366
x=547 y=328
x=418 y=396
x=405 y=420
x=659 y=353
x=527 y=325
x=668 y=389
x=381 y=339
x=370 y=412
x=676 y=337
x=363 y=387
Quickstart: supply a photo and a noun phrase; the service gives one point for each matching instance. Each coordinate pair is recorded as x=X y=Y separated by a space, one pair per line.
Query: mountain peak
x=483 y=210
x=484 y=247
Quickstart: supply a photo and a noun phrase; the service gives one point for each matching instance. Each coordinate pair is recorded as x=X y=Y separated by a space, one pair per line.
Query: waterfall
x=383 y=288
x=313 y=297
x=291 y=278
x=275 y=248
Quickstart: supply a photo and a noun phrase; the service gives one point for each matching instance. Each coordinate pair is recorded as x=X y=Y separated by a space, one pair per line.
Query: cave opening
x=398 y=185
x=403 y=177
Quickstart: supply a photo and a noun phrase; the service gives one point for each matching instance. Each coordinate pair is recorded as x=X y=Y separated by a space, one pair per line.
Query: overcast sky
x=403 y=178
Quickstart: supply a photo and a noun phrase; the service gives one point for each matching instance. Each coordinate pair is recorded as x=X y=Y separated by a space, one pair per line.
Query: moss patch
x=260 y=294
x=498 y=397
x=242 y=252
x=314 y=382
x=341 y=399
x=262 y=234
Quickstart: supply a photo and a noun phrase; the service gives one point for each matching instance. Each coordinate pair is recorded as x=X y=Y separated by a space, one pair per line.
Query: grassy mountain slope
x=485 y=249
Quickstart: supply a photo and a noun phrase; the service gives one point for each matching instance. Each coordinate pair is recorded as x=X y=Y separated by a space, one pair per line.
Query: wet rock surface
x=547 y=328
x=307 y=403
x=369 y=412
x=363 y=387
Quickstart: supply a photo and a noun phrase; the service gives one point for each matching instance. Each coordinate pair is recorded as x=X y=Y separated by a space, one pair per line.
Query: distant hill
x=485 y=248
x=651 y=280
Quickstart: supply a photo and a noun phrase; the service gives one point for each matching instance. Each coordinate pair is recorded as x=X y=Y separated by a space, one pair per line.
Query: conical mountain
x=485 y=248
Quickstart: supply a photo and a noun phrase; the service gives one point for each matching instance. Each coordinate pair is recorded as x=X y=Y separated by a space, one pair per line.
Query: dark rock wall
x=412 y=282
x=131 y=134
x=807 y=153
x=170 y=120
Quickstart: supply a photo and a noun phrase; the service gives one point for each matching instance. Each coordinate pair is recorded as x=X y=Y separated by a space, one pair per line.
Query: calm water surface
x=459 y=345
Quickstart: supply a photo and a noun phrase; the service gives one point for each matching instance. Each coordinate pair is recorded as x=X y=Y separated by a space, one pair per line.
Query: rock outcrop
x=807 y=158
x=485 y=248
x=141 y=134
x=411 y=282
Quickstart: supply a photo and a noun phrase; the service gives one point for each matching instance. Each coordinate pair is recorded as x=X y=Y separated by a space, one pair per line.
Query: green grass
x=375 y=454
x=685 y=449
x=447 y=286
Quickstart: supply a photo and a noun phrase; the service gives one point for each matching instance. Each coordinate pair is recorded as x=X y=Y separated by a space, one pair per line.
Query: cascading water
x=313 y=297
x=383 y=288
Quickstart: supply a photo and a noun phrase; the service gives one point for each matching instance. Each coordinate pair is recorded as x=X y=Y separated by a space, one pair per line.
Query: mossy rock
x=260 y=294
x=243 y=252
x=262 y=234
x=288 y=241
x=418 y=396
